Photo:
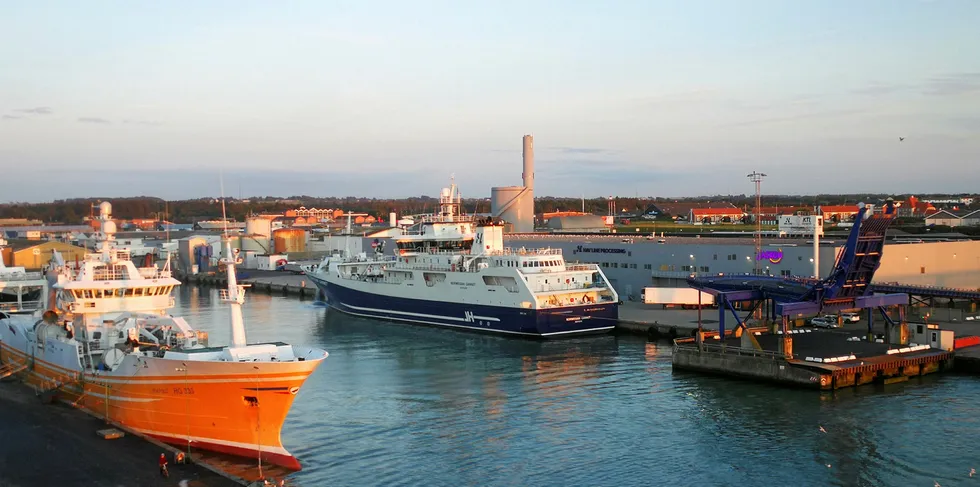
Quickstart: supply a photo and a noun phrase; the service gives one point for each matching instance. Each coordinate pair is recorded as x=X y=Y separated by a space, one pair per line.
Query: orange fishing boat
x=108 y=345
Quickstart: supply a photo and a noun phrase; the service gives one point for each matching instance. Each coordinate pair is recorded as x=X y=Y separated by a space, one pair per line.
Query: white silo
x=515 y=204
x=258 y=235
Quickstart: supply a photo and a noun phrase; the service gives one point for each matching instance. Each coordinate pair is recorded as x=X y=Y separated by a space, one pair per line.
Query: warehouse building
x=35 y=255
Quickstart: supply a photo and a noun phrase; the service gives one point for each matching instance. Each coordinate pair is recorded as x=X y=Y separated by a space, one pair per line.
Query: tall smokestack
x=529 y=161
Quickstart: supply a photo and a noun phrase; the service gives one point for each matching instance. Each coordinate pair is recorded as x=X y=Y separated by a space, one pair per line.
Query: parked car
x=823 y=322
x=851 y=317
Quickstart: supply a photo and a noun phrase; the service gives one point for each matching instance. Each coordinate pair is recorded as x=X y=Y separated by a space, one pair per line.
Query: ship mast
x=234 y=294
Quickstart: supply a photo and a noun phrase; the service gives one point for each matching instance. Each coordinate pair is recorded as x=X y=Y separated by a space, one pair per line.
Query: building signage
x=800 y=224
x=774 y=256
x=598 y=250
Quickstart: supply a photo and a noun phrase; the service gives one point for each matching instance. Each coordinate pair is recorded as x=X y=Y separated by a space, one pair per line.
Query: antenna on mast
x=224 y=216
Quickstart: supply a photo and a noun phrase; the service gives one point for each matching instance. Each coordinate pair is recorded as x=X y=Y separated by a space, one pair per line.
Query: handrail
x=735 y=350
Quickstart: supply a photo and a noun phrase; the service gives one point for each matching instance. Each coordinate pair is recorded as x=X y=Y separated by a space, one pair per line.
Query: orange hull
x=229 y=407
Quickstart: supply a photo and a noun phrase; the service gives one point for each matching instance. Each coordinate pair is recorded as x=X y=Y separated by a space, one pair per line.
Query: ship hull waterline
x=208 y=408
x=550 y=323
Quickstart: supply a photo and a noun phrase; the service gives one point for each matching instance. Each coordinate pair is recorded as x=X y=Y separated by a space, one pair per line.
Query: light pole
x=756 y=177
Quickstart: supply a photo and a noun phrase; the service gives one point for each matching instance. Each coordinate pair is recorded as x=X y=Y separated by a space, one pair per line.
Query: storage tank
x=514 y=205
x=289 y=240
x=258 y=235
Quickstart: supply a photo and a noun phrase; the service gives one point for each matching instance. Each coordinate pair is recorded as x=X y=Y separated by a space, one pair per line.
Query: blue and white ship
x=452 y=270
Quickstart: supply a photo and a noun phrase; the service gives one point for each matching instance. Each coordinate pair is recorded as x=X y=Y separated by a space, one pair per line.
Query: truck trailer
x=684 y=297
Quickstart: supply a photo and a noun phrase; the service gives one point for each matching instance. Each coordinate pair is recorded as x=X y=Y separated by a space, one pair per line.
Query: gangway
x=848 y=286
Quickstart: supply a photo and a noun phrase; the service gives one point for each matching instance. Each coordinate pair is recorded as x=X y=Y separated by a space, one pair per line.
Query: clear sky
x=388 y=98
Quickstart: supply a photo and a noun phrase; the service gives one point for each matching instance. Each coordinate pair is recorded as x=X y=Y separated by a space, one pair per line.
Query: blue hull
x=550 y=323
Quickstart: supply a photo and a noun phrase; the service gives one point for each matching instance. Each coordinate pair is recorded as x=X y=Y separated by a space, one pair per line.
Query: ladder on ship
x=10 y=369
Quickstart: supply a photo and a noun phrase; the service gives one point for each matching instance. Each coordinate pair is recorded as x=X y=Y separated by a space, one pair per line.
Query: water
x=405 y=405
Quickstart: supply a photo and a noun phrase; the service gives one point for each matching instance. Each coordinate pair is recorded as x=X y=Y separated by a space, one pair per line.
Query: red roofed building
x=838 y=213
x=716 y=215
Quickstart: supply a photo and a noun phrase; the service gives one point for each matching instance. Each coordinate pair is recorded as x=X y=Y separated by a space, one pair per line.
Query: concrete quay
x=55 y=444
x=655 y=322
x=280 y=283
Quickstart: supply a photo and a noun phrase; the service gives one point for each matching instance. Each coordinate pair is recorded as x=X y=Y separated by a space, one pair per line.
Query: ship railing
x=692 y=346
x=23 y=306
x=432 y=251
x=447 y=219
x=573 y=286
x=109 y=274
x=21 y=276
x=429 y=267
x=581 y=267
x=153 y=273
x=525 y=251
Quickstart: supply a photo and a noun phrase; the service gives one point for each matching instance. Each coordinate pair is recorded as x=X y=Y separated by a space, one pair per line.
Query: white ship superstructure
x=452 y=270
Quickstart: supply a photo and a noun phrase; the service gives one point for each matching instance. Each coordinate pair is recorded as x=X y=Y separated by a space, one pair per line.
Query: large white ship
x=452 y=270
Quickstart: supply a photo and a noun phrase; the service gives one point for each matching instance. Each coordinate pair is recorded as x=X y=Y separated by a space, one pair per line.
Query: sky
x=382 y=98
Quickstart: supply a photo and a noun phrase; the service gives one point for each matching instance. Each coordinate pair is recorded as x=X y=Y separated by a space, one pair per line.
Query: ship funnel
x=528 y=161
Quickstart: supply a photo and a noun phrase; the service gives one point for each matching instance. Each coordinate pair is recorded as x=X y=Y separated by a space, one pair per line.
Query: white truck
x=669 y=297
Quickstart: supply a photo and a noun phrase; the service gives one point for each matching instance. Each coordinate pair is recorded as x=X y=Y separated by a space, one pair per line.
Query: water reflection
x=398 y=404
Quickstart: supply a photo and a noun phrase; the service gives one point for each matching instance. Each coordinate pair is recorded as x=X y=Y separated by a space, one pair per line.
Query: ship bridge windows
x=121 y=292
x=426 y=246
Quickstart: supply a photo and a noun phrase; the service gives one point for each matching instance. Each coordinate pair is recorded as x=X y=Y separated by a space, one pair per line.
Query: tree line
x=74 y=211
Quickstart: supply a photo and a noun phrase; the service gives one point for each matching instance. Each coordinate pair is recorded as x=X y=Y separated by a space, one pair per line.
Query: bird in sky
x=901 y=139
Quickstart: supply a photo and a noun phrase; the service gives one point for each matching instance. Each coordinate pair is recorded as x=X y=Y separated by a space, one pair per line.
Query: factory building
x=634 y=264
x=577 y=223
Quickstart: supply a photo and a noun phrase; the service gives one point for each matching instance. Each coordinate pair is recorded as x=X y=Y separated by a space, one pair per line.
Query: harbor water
x=406 y=405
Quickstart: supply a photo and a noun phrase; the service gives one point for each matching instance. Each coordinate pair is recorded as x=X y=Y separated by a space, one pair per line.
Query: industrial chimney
x=528 y=162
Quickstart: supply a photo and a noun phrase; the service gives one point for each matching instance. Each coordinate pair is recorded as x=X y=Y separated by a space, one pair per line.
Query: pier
x=76 y=454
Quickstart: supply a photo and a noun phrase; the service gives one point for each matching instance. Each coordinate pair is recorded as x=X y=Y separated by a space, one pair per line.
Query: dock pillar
x=903 y=327
x=871 y=325
x=721 y=316
x=787 y=341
